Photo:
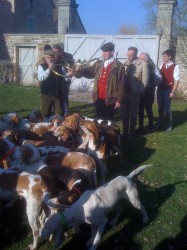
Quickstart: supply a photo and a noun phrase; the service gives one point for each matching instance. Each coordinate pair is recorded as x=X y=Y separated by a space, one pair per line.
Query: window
x=31 y=24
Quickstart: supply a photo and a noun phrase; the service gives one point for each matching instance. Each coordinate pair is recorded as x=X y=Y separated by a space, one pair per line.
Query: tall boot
x=168 y=122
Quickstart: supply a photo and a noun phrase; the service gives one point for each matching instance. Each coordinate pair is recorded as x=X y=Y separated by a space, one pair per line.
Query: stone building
x=17 y=16
x=51 y=21
x=39 y=17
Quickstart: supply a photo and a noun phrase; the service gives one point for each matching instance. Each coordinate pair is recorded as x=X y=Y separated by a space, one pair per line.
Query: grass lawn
x=162 y=188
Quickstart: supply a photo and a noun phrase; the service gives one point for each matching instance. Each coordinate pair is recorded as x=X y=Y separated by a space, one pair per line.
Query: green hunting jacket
x=115 y=83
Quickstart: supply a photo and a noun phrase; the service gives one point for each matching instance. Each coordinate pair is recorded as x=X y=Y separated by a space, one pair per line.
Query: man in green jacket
x=108 y=82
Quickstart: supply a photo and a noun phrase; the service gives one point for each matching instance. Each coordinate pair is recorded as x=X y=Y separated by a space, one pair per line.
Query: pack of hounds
x=62 y=163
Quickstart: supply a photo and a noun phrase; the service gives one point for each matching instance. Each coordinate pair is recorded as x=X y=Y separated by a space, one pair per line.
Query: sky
x=107 y=16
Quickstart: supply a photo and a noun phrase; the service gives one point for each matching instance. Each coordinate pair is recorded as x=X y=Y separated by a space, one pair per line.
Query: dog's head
x=12 y=119
x=62 y=132
x=54 y=226
x=72 y=122
x=36 y=116
x=91 y=126
x=56 y=118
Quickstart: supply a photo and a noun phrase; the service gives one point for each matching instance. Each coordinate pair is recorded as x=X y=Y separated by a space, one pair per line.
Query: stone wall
x=181 y=59
x=8 y=43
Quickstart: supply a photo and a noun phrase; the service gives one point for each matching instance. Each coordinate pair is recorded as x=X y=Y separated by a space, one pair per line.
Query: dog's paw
x=31 y=247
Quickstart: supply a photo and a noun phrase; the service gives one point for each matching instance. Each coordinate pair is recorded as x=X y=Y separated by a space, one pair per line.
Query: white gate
x=27 y=60
x=88 y=47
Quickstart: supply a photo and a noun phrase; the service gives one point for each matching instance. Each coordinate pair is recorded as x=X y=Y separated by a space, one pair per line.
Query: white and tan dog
x=92 y=208
x=32 y=189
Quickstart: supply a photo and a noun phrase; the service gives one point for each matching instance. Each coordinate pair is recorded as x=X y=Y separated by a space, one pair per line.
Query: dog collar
x=8 y=154
x=63 y=221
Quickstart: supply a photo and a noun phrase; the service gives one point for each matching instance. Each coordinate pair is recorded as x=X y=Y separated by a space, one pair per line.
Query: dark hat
x=47 y=47
x=107 y=47
x=49 y=52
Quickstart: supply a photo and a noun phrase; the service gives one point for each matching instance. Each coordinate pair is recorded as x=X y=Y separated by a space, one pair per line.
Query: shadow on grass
x=178 y=119
x=14 y=228
x=16 y=111
x=84 y=109
x=177 y=243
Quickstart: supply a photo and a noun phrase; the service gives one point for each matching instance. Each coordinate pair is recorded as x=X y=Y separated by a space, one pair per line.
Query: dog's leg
x=100 y=229
x=33 y=208
x=134 y=199
x=114 y=221
x=89 y=243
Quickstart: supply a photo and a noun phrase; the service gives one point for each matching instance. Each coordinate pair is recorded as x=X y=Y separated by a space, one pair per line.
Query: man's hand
x=172 y=94
x=50 y=65
x=117 y=105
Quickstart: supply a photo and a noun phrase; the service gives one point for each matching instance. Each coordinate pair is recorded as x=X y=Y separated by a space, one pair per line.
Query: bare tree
x=128 y=30
x=180 y=17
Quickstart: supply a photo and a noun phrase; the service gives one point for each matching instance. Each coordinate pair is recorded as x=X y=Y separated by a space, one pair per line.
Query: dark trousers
x=64 y=98
x=103 y=111
x=129 y=110
x=164 y=107
x=146 y=103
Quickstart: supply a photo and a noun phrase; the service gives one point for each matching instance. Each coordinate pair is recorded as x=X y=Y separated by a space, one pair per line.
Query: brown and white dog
x=32 y=189
x=76 y=160
x=15 y=156
x=37 y=188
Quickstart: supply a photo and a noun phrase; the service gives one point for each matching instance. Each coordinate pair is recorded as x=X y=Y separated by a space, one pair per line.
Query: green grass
x=162 y=188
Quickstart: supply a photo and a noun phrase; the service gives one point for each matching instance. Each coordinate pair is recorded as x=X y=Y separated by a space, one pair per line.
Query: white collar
x=169 y=64
x=107 y=62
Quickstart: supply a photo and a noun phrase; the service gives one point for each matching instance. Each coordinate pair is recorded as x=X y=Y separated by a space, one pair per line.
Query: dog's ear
x=26 y=153
x=15 y=118
x=76 y=182
x=54 y=204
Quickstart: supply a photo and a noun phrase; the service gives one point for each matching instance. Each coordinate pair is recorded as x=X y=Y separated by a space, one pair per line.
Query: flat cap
x=49 y=52
x=107 y=47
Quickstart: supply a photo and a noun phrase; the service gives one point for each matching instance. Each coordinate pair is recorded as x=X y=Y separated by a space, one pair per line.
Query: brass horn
x=70 y=64
x=84 y=64
x=60 y=69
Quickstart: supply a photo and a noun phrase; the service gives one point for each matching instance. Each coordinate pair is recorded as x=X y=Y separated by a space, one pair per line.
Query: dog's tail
x=138 y=171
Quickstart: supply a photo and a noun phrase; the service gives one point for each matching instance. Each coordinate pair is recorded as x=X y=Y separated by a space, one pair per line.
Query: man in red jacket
x=169 y=72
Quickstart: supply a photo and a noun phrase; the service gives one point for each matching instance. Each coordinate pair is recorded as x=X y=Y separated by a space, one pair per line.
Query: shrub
x=180 y=95
x=7 y=72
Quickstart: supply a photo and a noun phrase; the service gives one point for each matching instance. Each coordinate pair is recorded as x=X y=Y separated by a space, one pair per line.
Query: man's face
x=166 y=58
x=130 y=55
x=49 y=59
x=107 y=55
x=142 y=57
x=58 y=53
